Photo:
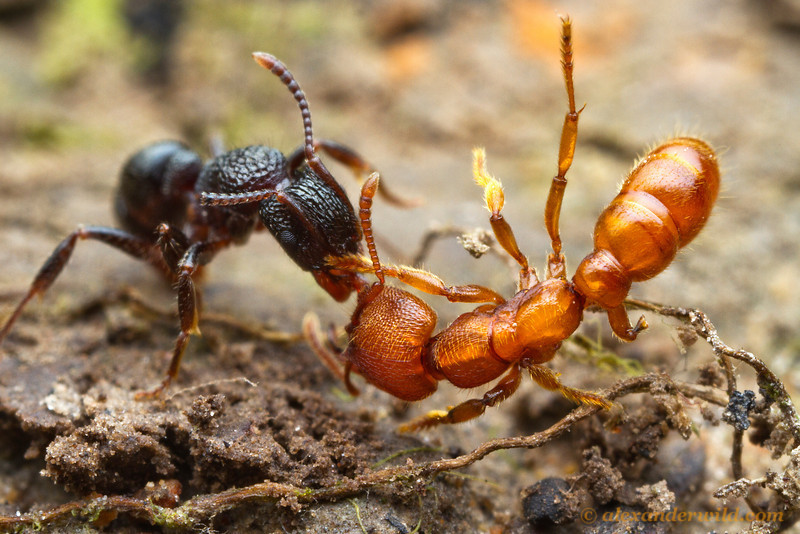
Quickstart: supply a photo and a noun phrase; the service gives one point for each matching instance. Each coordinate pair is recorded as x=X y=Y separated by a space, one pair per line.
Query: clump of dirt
x=279 y=433
x=301 y=439
x=95 y=438
x=77 y=422
x=631 y=468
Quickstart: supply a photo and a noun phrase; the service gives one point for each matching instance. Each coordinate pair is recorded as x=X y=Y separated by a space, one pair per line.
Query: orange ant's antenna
x=495 y=200
x=365 y=215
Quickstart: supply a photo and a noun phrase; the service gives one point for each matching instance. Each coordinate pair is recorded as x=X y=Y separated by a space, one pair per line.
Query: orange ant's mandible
x=661 y=207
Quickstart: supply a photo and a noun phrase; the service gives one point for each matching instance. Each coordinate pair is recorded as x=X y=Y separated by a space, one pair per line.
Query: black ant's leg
x=495 y=200
x=173 y=244
x=341 y=153
x=130 y=244
x=359 y=166
x=196 y=255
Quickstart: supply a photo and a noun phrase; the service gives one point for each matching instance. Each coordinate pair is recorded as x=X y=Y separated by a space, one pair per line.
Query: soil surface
x=413 y=85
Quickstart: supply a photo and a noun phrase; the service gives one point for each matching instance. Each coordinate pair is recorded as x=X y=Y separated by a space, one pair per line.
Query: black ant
x=177 y=213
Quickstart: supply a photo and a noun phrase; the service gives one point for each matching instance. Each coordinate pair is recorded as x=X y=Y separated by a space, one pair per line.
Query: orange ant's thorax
x=662 y=205
x=543 y=316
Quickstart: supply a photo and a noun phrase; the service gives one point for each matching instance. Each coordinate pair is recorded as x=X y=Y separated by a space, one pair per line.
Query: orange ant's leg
x=195 y=256
x=417 y=278
x=548 y=379
x=331 y=359
x=494 y=198
x=348 y=369
x=433 y=285
x=420 y=279
x=621 y=325
x=468 y=409
x=119 y=239
x=566 y=151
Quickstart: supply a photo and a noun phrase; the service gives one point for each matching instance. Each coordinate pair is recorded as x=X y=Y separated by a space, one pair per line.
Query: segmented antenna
x=276 y=67
x=208 y=198
x=365 y=214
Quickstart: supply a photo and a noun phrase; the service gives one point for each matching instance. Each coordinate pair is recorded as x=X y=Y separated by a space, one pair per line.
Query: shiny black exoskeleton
x=177 y=213
x=155 y=186
x=328 y=227
x=304 y=208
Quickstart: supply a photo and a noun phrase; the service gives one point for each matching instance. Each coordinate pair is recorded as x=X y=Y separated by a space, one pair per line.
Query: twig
x=199 y=509
x=767 y=380
x=476 y=241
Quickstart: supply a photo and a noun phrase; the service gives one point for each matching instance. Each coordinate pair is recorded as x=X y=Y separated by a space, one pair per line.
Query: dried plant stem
x=201 y=508
x=767 y=380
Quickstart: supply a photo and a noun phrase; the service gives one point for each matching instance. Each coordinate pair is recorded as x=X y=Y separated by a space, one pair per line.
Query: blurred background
x=413 y=85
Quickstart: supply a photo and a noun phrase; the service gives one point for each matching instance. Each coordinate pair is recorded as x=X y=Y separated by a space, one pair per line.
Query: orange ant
x=661 y=207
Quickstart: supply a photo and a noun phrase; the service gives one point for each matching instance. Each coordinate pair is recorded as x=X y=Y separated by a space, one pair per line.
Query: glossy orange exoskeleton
x=661 y=207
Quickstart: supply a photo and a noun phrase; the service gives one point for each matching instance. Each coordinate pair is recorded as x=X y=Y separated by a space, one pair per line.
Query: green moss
x=603 y=358
x=79 y=32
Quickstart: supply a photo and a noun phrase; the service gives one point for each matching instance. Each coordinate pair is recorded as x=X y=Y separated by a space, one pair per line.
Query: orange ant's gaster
x=661 y=207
